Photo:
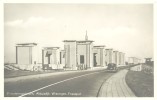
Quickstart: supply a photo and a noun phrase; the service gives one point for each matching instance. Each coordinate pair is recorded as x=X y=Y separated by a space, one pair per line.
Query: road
x=73 y=84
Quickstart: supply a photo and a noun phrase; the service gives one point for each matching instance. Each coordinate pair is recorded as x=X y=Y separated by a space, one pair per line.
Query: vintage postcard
x=78 y=50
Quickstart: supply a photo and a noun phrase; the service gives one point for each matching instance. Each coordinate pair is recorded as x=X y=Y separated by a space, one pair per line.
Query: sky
x=124 y=27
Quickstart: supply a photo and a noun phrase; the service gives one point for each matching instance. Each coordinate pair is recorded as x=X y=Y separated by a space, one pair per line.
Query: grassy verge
x=141 y=84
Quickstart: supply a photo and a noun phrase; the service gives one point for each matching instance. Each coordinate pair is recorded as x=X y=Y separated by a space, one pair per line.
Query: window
x=82 y=59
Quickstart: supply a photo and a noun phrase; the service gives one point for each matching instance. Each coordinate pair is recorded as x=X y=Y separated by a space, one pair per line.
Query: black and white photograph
x=78 y=50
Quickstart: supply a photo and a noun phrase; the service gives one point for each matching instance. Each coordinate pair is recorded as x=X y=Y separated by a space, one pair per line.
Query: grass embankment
x=141 y=84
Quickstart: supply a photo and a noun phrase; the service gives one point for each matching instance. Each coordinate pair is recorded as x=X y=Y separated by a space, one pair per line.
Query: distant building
x=116 y=57
x=99 y=56
x=51 y=58
x=121 y=58
x=109 y=56
x=147 y=60
x=26 y=55
x=133 y=60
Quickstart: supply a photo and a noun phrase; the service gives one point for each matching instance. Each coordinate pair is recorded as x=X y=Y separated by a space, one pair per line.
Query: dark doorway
x=48 y=55
x=81 y=59
x=94 y=58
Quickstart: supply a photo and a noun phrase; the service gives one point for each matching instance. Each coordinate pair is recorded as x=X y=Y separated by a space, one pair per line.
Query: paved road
x=116 y=86
x=73 y=84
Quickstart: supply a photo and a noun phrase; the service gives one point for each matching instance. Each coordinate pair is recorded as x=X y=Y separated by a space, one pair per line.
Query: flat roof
x=135 y=58
x=26 y=44
x=147 y=58
x=85 y=41
x=51 y=48
x=132 y=57
x=99 y=46
x=109 y=49
x=78 y=41
x=69 y=41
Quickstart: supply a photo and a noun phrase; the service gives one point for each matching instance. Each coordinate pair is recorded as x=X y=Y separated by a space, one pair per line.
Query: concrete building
x=133 y=60
x=116 y=57
x=26 y=55
x=121 y=58
x=109 y=56
x=70 y=54
x=78 y=54
x=51 y=58
x=62 y=58
x=99 y=56
x=130 y=60
x=147 y=60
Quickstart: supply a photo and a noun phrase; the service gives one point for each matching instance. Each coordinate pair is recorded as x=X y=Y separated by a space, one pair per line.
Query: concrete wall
x=100 y=55
x=96 y=51
x=109 y=56
x=130 y=60
x=26 y=57
x=104 y=57
x=53 y=61
x=85 y=49
x=76 y=49
x=133 y=60
x=120 y=58
x=116 y=57
x=91 y=55
x=62 y=57
x=54 y=58
x=70 y=55
x=124 y=59
x=82 y=50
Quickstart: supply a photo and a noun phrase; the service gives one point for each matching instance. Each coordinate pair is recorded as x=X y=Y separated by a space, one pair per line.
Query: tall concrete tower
x=86 y=37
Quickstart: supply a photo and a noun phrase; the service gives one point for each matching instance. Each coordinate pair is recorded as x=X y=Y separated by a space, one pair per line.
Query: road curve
x=79 y=84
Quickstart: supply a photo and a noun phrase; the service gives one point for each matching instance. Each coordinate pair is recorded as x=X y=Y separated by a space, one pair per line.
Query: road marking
x=58 y=83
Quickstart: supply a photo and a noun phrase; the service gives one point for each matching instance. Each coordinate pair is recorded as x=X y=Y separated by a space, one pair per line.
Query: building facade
x=121 y=58
x=78 y=54
x=99 y=56
x=26 y=55
x=116 y=57
x=51 y=58
x=133 y=60
x=62 y=58
x=109 y=56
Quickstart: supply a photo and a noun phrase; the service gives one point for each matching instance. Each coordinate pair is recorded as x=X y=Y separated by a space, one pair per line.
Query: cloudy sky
x=124 y=27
